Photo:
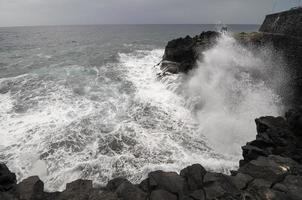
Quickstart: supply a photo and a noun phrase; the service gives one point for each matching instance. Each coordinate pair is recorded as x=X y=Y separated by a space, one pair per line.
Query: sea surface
x=86 y=102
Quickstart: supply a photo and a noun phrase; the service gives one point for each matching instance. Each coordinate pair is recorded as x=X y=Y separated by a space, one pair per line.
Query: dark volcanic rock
x=182 y=53
x=217 y=185
x=162 y=195
x=274 y=137
x=272 y=168
x=128 y=191
x=194 y=176
x=169 y=181
x=31 y=189
x=115 y=183
x=294 y=120
x=7 y=179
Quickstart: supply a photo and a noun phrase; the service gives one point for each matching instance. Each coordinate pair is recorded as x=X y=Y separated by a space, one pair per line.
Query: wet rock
x=217 y=185
x=84 y=185
x=169 y=181
x=270 y=168
x=7 y=178
x=128 y=191
x=169 y=66
x=162 y=195
x=31 y=189
x=241 y=181
x=194 y=176
x=144 y=185
x=113 y=184
x=77 y=190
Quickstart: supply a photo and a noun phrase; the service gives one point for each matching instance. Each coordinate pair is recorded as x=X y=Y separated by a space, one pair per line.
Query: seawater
x=86 y=102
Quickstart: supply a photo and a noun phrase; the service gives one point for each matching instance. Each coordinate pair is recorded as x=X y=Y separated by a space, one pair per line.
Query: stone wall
x=287 y=23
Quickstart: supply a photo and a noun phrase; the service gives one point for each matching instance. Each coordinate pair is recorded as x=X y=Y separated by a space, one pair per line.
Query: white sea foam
x=101 y=122
x=230 y=88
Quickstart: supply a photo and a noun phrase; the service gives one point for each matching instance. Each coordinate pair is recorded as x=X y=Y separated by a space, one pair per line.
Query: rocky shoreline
x=271 y=168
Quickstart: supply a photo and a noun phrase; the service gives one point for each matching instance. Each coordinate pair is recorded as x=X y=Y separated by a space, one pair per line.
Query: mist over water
x=81 y=104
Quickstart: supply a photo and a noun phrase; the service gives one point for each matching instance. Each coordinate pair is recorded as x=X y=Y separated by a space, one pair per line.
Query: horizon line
x=113 y=24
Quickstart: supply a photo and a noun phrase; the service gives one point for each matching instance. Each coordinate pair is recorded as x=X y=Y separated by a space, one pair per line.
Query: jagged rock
x=7 y=179
x=169 y=181
x=182 y=53
x=194 y=176
x=274 y=136
x=31 y=189
x=128 y=191
x=162 y=195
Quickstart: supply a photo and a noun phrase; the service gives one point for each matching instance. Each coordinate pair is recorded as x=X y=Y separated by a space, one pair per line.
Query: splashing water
x=230 y=88
x=68 y=122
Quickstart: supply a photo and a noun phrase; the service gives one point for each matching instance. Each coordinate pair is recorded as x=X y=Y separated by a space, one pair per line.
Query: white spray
x=230 y=88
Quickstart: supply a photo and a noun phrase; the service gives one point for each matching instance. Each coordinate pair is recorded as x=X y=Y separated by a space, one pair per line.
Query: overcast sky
x=60 y=12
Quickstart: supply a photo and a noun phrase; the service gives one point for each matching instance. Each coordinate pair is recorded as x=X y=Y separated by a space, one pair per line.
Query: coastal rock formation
x=281 y=32
x=181 y=54
x=271 y=170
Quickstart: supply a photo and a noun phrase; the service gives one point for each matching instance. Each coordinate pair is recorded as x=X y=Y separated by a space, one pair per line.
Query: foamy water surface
x=99 y=120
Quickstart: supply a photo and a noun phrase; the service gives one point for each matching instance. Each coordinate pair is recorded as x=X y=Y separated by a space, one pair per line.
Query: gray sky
x=59 y=12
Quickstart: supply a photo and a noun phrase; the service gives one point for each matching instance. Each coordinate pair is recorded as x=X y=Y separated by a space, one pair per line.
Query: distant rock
x=181 y=54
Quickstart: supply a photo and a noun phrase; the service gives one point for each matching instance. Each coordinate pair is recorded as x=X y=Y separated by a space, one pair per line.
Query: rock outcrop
x=281 y=32
x=271 y=169
x=181 y=54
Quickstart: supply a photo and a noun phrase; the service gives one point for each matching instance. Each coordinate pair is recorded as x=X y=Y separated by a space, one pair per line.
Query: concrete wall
x=287 y=22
